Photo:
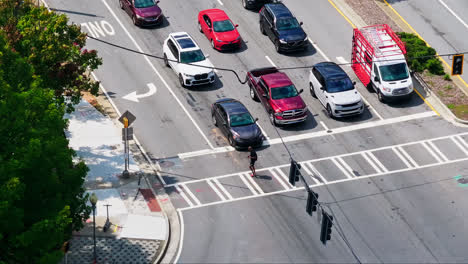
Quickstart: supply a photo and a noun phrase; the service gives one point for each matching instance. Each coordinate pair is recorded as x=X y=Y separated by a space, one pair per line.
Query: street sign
x=131 y=118
x=129 y=133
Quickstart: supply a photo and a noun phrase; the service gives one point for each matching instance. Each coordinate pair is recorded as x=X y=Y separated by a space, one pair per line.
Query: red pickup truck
x=278 y=95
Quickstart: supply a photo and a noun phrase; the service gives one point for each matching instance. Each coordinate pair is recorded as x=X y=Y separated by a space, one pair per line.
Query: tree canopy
x=42 y=198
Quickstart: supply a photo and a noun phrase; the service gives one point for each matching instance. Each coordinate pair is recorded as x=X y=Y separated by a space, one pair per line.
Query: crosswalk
x=327 y=170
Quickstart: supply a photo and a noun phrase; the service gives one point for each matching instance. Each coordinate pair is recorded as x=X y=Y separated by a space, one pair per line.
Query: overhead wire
x=243 y=81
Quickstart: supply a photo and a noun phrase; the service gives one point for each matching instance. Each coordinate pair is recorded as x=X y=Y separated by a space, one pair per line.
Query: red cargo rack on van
x=371 y=42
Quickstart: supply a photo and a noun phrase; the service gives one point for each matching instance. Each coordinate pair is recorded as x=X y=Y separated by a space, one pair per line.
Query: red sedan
x=219 y=29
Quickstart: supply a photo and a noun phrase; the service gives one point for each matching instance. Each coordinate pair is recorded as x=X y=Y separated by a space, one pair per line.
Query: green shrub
x=447 y=77
x=451 y=106
x=419 y=54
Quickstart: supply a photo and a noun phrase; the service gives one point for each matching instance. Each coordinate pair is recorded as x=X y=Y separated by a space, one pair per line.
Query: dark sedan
x=143 y=12
x=236 y=123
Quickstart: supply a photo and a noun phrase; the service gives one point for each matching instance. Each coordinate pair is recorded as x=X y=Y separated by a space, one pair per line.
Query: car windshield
x=191 y=56
x=339 y=85
x=287 y=23
x=394 y=72
x=283 y=92
x=144 y=3
x=223 y=26
x=244 y=119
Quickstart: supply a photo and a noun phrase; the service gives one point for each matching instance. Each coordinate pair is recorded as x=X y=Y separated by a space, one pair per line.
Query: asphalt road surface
x=393 y=176
x=442 y=23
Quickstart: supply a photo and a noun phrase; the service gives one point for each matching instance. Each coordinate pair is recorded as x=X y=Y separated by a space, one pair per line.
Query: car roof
x=184 y=41
x=279 y=10
x=276 y=79
x=330 y=70
x=216 y=14
x=232 y=106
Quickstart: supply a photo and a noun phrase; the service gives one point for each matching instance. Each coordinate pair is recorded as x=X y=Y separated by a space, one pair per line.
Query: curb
x=391 y=13
x=149 y=169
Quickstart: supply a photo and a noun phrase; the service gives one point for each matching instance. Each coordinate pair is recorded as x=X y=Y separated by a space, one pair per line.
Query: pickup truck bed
x=255 y=74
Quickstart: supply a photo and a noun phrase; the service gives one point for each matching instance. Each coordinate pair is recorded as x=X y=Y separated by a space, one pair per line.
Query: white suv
x=334 y=89
x=182 y=49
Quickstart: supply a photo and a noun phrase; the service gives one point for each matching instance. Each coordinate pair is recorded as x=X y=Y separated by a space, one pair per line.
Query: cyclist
x=253 y=158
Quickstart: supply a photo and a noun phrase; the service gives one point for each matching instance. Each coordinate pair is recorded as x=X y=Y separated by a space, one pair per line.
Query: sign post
x=126 y=119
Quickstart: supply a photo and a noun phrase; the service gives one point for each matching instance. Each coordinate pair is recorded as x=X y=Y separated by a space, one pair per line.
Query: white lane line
x=242 y=177
x=318 y=49
x=322 y=133
x=285 y=177
x=431 y=152
x=324 y=126
x=342 y=60
x=394 y=148
x=263 y=131
x=221 y=187
x=372 y=163
x=252 y=181
x=215 y=190
x=190 y=193
x=305 y=167
x=371 y=108
x=221 y=3
x=270 y=61
x=407 y=156
x=181 y=192
x=182 y=231
x=339 y=166
x=377 y=161
x=317 y=173
x=437 y=150
x=285 y=186
x=453 y=13
x=159 y=75
x=332 y=182
x=459 y=145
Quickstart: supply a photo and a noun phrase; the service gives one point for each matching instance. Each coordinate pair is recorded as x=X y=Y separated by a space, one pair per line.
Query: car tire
x=121 y=5
x=329 y=111
x=212 y=44
x=135 y=22
x=181 y=80
x=272 y=119
x=277 y=46
x=262 y=29
x=245 y=4
x=312 y=91
x=231 y=141
x=253 y=95
x=166 y=61
x=215 y=122
x=199 y=27
x=380 y=96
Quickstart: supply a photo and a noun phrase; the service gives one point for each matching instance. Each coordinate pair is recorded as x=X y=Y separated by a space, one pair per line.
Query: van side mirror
x=157 y=2
x=264 y=95
x=322 y=88
x=300 y=23
x=207 y=56
x=377 y=79
x=236 y=25
x=300 y=91
x=256 y=119
x=354 y=83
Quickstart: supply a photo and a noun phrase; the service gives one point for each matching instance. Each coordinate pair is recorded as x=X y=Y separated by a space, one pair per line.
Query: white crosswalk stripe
x=285 y=186
x=221 y=187
x=308 y=167
x=242 y=177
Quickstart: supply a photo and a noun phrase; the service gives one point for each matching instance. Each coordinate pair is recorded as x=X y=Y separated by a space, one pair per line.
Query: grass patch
x=461 y=111
x=447 y=77
x=450 y=106
x=448 y=87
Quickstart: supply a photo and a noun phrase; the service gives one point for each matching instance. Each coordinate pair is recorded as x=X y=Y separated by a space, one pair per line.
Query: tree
x=53 y=47
x=41 y=193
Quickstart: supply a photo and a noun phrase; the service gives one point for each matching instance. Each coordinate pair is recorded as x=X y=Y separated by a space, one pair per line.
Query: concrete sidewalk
x=139 y=227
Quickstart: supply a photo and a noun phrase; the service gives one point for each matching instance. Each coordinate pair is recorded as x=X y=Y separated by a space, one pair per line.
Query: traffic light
x=457 y=64
x=327 y=223
x=294 y=172
x=312 y=201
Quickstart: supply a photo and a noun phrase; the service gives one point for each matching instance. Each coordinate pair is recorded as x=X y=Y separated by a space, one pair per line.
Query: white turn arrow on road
x=133 y=96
